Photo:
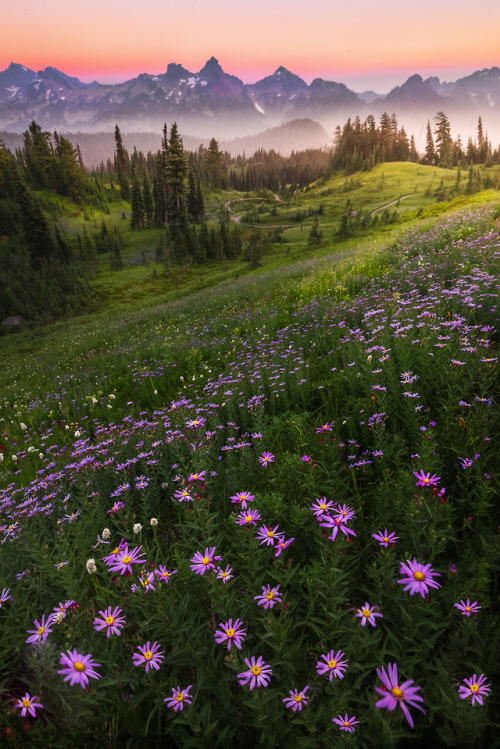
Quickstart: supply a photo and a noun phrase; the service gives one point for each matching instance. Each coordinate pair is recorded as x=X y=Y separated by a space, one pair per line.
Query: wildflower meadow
x=271 y=524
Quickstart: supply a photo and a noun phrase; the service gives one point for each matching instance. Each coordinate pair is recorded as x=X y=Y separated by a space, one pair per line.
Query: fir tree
x=147 y=200
x=430 y=153
x=444 y=143
x=214 y=164
x=176 y=173
x=137 y=204
x=121 y=165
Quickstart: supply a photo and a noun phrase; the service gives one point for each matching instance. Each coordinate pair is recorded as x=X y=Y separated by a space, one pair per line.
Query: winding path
x=237 y=219
x=393 y=203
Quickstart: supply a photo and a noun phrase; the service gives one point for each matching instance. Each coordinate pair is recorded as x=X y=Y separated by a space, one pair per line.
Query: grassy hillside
x=346 y=394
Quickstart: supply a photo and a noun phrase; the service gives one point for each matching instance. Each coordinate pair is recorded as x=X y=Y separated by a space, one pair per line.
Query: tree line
x=359 y=146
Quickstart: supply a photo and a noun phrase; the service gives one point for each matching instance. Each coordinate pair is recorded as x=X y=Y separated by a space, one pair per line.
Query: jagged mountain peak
x=211 y=69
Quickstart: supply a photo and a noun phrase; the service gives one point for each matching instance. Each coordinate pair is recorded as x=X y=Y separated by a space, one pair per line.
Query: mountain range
x=213 y=102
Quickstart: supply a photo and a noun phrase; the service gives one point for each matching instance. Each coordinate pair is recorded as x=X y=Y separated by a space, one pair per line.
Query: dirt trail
x=237 y=219
x=403 y=197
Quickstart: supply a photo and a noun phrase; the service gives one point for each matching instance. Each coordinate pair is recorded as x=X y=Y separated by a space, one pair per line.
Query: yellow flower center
x=346 y=723
x=332 y=664
x=468 y=608
x=322 y=507
x=426 y=480
x=298 y=698
x=366 y=612
x=419 y=576
x=255 y=670
x=165 y=574
x=126 y=560
x=115 y=551
x=26 y=703
x=242 y=497
x=205 y=560
x=41 y=631
x=248 y=518
x=223 y=574
x=179 y=697
x=270 y=534
x=148 y=655
x=79 y=666
x=270 y=595
x=230 y=632
x=109 y=620
x=386 y=539
x=397 y=693
x=474 y=688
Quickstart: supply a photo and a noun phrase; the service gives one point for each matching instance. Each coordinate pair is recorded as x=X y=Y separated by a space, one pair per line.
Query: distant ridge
x=213 y=102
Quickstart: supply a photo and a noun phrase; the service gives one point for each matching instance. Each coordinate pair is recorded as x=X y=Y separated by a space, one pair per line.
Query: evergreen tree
x=413 y=150
x=315 y=235
x=192 y=202
x=38 y=157
x=176 y=173
x=214 y=164
x=121 y=165
x=137 y=204
x=69 y=177
x=430 y=153
x=199 y=200
x=147 y=200
x=444 y=143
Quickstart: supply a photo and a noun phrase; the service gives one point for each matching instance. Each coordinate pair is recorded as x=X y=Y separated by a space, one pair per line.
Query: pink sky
x=364 y=43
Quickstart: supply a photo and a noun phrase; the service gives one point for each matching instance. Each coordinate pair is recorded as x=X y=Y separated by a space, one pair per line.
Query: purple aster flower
x=62 y=608
x=269 y=596
x=197 y=476
x=124 y=560
x=417 y=577
x=321 y=507
x=333 y=665
x=425 y=479
x=476 y=688
x=282 y=545
x=393 y=693
x=183 y=495
x=163 y=573
x=346 y=723
x=297 y=700
x=148 y=654
x=344 y=513
x=78 y=668
x=224 y=575
x=268 y=535
x=28 y=704
x=179 y=698
x=241 y=498
x=111 y=621
x=231 y=633
x=266 y=458
x=116 y=507
x=385 y=538
x=41 y=631
x=4 y=596
x=466 y=609
x=203 y=562
x=336 y=524
x=258 y=673
x=325 y=427
x=147 y=581
x=248 y=517
x=368 y=614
